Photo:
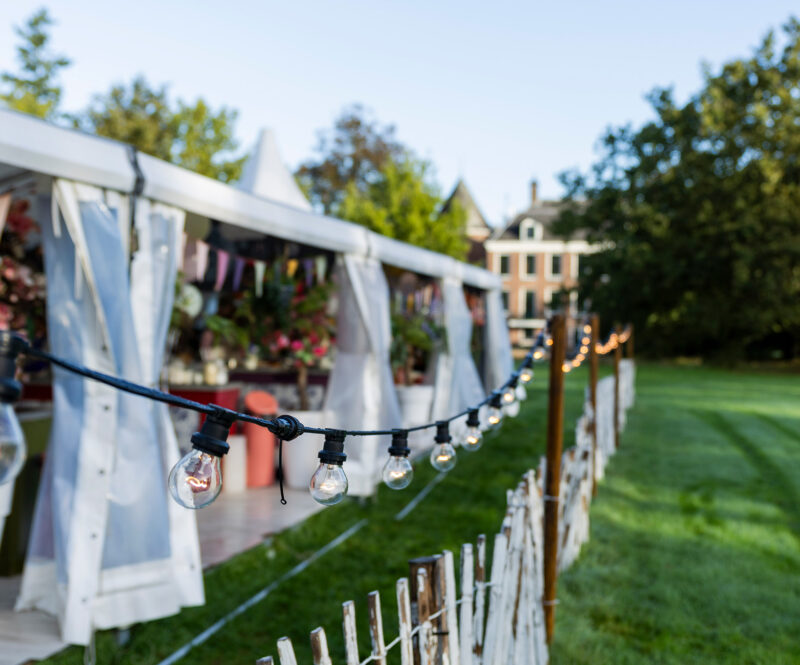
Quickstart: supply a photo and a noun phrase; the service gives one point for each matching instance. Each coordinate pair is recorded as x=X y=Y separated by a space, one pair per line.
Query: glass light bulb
x=443 y=457
x=196 y=480
x=494 y=417
x=509 y=395
x=328 y=484
x=538 y=354
x=526 y=375
x=12 y=444
x=398 y=472
x=474 y=439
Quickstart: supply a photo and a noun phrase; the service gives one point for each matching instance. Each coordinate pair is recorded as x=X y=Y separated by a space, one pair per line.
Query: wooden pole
x=593 y=358
x=617 y=358
x=555 y=439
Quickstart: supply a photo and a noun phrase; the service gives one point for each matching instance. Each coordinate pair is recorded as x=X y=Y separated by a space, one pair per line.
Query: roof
x=543 y=211
x=31 y=145
x=475 y=218
x=265 y=175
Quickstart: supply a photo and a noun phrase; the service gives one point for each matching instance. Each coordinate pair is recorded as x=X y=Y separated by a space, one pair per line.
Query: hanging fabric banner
x=238 y=271
x=308 y=269
x=223 y=259
x=291 y=267
x=321 y=268
x=260 y=268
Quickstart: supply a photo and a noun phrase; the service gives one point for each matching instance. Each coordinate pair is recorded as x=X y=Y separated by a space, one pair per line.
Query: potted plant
x=416 y=338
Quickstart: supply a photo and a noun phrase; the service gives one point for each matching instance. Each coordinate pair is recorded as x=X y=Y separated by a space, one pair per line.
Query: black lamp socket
x=472 y=419
x=399 y=447
x=213 y=434
x=333 y=449
x=443 y=432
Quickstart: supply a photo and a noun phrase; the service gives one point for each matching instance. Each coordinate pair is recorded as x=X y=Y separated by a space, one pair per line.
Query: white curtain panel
x=100 y=553
x=499 y=363
x=361 y=392
x=7 y=490
x=458 y=383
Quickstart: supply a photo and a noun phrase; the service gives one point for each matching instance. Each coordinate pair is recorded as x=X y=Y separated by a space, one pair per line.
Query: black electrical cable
x=285 y=427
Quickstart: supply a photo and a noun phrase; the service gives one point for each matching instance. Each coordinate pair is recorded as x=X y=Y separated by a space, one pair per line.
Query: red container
x=260 y=441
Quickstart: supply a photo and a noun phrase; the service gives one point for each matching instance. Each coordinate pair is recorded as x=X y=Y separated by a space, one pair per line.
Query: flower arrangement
x=22 y=279
x=303 y=333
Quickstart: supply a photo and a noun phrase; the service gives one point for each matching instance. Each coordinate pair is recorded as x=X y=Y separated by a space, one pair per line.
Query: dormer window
x=530 y=229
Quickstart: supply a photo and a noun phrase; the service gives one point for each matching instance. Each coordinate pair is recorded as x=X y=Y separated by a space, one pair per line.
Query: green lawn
x=694 y=554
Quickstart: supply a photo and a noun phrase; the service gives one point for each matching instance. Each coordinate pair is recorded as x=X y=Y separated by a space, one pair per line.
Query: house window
x=530 y=304
x=555 y=265
x=505 y=301
x=505 y=264
x=530 y=264
x=529 y=232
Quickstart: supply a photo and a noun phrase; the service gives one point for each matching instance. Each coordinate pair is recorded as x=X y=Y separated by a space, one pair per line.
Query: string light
x=495 y=416
x=474 y=438
x=587 y=329
x=526 y=372
x=510 y=393
x=443 y=455
x=398 y=472
x=12 y=440
x=329 y=483
x=196 y=480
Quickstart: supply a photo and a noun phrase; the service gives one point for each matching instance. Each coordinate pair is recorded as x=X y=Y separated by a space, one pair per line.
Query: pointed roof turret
x=477 y=226
x=264 y=174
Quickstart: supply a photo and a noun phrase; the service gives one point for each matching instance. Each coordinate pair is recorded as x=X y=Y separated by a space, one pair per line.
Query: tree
x=699 y=211
x=35 y=89
x=354 y=151
x=189 y=135
x=401 y=202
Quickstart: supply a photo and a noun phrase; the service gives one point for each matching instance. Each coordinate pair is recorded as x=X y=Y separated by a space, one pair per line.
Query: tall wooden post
x=555 y=439
x=617 y=358
x=595 y=323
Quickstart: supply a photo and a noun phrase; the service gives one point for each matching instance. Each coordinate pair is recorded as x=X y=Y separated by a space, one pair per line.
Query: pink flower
x=319 y=351
x=297 y=345
x=283 y=341
x=313 y=338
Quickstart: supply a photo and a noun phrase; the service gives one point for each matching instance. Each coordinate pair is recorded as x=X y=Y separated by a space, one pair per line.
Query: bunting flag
x=223 y=259
x=238 y=271
x=321 y=268
x=201 y=261
x=261 y=269
x=308 y=269
x=291 y=267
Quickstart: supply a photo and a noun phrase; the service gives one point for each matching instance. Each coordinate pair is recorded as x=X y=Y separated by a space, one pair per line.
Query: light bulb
x=443 y=456
x=398 y=472
x=195 y=481
x=12 y=444
x=538 y=354
x=494 y=417
x=509 y=395
x=328 y=484
x=474 y=439
x=526 y=375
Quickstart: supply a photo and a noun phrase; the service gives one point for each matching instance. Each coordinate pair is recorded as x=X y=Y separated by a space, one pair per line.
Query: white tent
x=116 y=324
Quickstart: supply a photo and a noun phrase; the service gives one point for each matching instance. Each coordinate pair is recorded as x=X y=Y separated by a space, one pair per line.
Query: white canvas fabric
x=499 y=363
x=458 y=384
x=361 y=393
x=100 y=553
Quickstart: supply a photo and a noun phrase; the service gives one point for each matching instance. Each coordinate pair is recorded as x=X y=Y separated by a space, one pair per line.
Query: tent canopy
x=29 y=144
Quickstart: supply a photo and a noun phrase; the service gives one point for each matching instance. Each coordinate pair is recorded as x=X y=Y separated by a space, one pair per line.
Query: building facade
x=535 y=266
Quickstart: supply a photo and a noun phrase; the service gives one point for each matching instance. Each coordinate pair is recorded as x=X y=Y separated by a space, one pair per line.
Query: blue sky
x=498 y=93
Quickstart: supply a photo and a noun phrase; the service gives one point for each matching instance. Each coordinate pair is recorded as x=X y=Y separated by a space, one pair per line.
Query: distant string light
x=195 y=481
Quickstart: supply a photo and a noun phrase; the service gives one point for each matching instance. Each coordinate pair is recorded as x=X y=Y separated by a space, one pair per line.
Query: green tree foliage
x=700 y=213
x=191 y=135
x=354 y=151
x=34 y=89
x=363 y=174
x=401 y=202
